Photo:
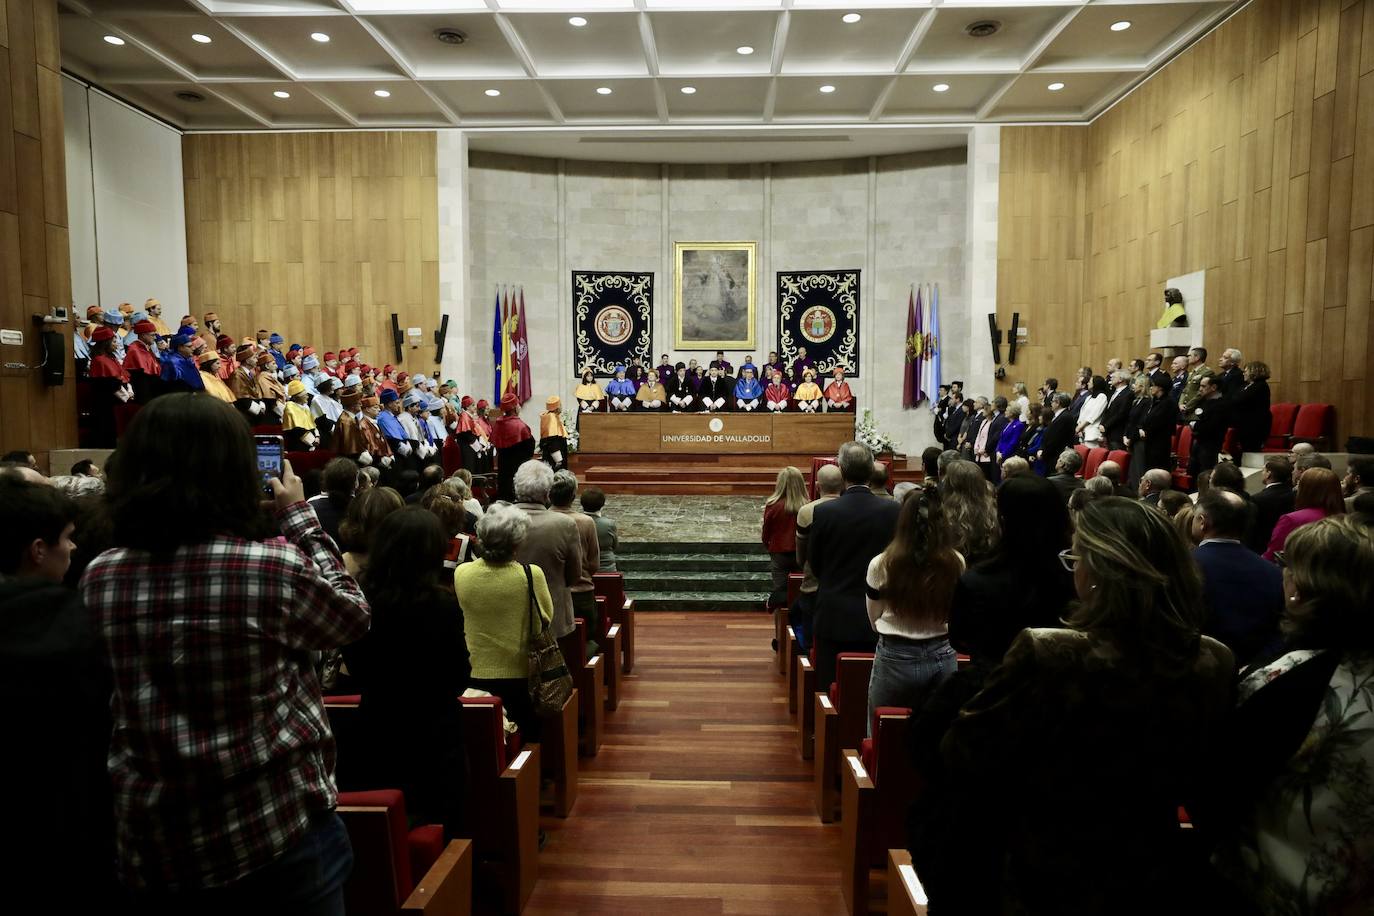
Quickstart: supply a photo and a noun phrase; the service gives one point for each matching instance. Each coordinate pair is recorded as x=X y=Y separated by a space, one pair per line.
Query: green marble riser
x=695 y=545
x=690 y=563
x=698 y=601
x=660 y=581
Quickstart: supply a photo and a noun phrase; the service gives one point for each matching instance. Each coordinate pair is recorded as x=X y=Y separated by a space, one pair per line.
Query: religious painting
x=714 y=295
x=819 y=310
x=612 y=319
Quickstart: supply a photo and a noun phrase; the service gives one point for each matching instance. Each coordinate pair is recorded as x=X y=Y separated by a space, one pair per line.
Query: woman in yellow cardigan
x=496 y=594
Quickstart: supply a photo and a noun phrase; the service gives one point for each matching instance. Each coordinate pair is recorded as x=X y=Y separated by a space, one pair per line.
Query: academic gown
x=346 y=438
x=179 y=373
x=808 y=393
x=589 y=397
x=621 y=388
x=272 y=393
x=680 y=388
x=326 y=412
x=713 y=390
x=296 y=424
x=145 y=371
x=650 y=393
x=514 y=446
x=838 y=396
x=553 y=440
x=748 y=394
x=799 y=367
x=778 y=393
x=215 y=387
x=395 y=435
x=107 y=378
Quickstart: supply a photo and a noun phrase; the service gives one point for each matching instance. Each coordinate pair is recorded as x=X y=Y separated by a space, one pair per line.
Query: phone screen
x=269 y=459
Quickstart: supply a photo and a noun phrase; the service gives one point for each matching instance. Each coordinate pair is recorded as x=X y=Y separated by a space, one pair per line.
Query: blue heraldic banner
x=612 y=319
x=819 y=310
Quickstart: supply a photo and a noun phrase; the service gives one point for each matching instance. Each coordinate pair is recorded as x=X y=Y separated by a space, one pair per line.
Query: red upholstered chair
x=1121 y=457
x=816 y=465
x=502 y=801
x=619 y=610
x=401 y=870
x=841 y=716
x=1094 y=460
x=878 y=786
x=1314 y=424
x=304 y=462
x=1082 y=451
x=1281 y=420
x=1230 y=445
x=1184 y=451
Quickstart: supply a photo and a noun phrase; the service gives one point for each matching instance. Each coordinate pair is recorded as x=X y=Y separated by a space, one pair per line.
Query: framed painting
x=713 y=295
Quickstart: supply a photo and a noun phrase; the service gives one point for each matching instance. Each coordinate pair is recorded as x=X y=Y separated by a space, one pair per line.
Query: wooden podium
x=713 y=433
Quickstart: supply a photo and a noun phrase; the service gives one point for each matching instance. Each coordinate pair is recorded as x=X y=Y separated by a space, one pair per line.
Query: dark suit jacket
x=1058 y=436
x=1066 y=483
x=1160 y=422
x=1250 y=415
x=847 y=533
x=1116 y=415
x=1209 y=427
x=720 y=388
x=999 y=423
x=1244 y=598
x=1231 y=381
x=1270 y=503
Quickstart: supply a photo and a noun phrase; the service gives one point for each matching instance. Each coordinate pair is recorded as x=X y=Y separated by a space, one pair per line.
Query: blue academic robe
x=280 y=359
x=748 y=389
x=621 y=387
x=391 y=427
x=182 y=370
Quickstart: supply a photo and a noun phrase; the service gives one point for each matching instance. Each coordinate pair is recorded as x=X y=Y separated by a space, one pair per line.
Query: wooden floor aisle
x=698 y=802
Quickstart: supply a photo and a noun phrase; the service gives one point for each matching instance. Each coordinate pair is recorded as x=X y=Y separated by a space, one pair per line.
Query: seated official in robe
x=808 y=393
x=715 y=392
x=621 y=390
x=589 y=394
x=778 y=393
x=651 y=395
x=837 y=393
x=681 y=392
x=748 y=391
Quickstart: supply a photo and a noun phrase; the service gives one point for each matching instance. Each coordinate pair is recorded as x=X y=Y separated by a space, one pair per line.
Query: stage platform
x=649 y=433
x=704 y=475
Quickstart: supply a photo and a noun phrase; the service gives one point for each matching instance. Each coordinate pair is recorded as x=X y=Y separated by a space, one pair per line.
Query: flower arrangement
x=569 y=418
x=869 y=434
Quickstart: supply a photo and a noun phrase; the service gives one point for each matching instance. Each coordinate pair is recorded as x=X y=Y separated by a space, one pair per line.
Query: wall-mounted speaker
x=396 y=337
x=996 y=336
x=439 y=337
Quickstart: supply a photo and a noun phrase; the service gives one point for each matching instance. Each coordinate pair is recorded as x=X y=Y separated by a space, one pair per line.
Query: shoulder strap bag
x=550 y=683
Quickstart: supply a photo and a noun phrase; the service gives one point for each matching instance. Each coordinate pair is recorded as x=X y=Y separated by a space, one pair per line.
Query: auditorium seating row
x=867 y=783
x=398 y=869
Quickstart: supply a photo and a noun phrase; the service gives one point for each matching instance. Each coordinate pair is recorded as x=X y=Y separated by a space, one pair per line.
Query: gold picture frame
x=708 y=313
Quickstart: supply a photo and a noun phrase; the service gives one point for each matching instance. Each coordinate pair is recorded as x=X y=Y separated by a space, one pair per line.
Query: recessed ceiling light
x=940 y=87
x=1055 y=87
x=744 y=49
x=493 y=92
x=198 y=38
x=851 y=18
x=603 y=90
x=827 y=89
x=1121 y=26
x=281 y=93
x=381 y=93
x=577 y=21
x=113 y=40
x=689 y=90
x=321 y=37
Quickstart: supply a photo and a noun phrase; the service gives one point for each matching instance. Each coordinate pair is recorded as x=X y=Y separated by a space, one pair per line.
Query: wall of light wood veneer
x=34 y=272
x=1251 y=156
x=321 y=236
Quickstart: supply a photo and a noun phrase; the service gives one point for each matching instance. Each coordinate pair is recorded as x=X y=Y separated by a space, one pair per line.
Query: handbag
x=550 y=682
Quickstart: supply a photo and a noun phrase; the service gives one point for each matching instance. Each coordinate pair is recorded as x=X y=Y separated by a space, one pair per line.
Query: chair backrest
x=1313 y=421
x=1082 y=451
x=1121 y=457
x=611 y=586
x=304 y=462
x=794 y=584
x=852 y=673
x=381 y=877
x=1091 y=463
x=484 y=735
x=346 y=724
x=1282 y=417
x=603 y=619
x=900 y=782
x=1184 y=450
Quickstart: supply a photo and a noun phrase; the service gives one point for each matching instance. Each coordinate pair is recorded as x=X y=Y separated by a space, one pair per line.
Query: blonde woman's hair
x=1019 y=389
x=970 y=510
x=790 y=489
x=1331 y=565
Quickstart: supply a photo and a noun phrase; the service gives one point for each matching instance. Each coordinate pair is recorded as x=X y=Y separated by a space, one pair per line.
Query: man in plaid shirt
x=221 y=758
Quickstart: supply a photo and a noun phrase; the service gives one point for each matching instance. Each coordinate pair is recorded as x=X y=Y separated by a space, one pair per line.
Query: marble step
x=699 y=601
x=693 y=545
x=695 y=562
x=659 y=580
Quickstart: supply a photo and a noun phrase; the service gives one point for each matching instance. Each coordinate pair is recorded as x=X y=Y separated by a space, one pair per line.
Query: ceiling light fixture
x=493 y=92
x=744 y=49
x=689 y=90
x=381 y=93
x=1055 y=87
x=851 y=18
x=577 y=22
x=321 y=37
x=940 y=87
x=281 y=93
x=198 y=38
x=1121 y=26
x=603 y=90
x=113 y=40
x=827 y=89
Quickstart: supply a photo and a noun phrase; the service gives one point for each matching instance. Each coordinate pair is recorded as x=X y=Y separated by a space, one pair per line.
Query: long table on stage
x=649 y=433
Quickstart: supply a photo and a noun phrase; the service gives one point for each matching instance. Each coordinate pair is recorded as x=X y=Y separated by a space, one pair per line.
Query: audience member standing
x=801 y=613
x=908 y=588
x=57 y=693
x=338 y=481
x=1116 y=416
x=221 y=757
x=409 y=668
x=1156 y=433
x=1058 y=435
x=1210 y=417
x=501 y=598
x=607 y=534
x=1122 y=699
x=1318 y=495
x=780 y=530
x=1243 y=595
x=1250 y=407
x=1290 y=805
x=1090 y=413
x=845 y=536
x=551 y=542
x=1196 y=368
x=969 y=511
x=561 y=495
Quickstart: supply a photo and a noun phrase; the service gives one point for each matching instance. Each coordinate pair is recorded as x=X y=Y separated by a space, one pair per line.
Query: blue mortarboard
x=388 y=396
x=309 y=363
x=353 y=381
x=276 y=338
x=413 y=400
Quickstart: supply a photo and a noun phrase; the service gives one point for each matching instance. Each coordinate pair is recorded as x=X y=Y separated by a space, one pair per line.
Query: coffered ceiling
x=546 y=64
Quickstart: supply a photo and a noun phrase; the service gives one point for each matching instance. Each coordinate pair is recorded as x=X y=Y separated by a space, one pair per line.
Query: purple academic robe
x=800 y=365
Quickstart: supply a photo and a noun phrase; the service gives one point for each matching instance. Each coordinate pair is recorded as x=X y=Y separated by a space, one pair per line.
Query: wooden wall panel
x=1251 y=156
x=320 y=236
x=35 y=273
